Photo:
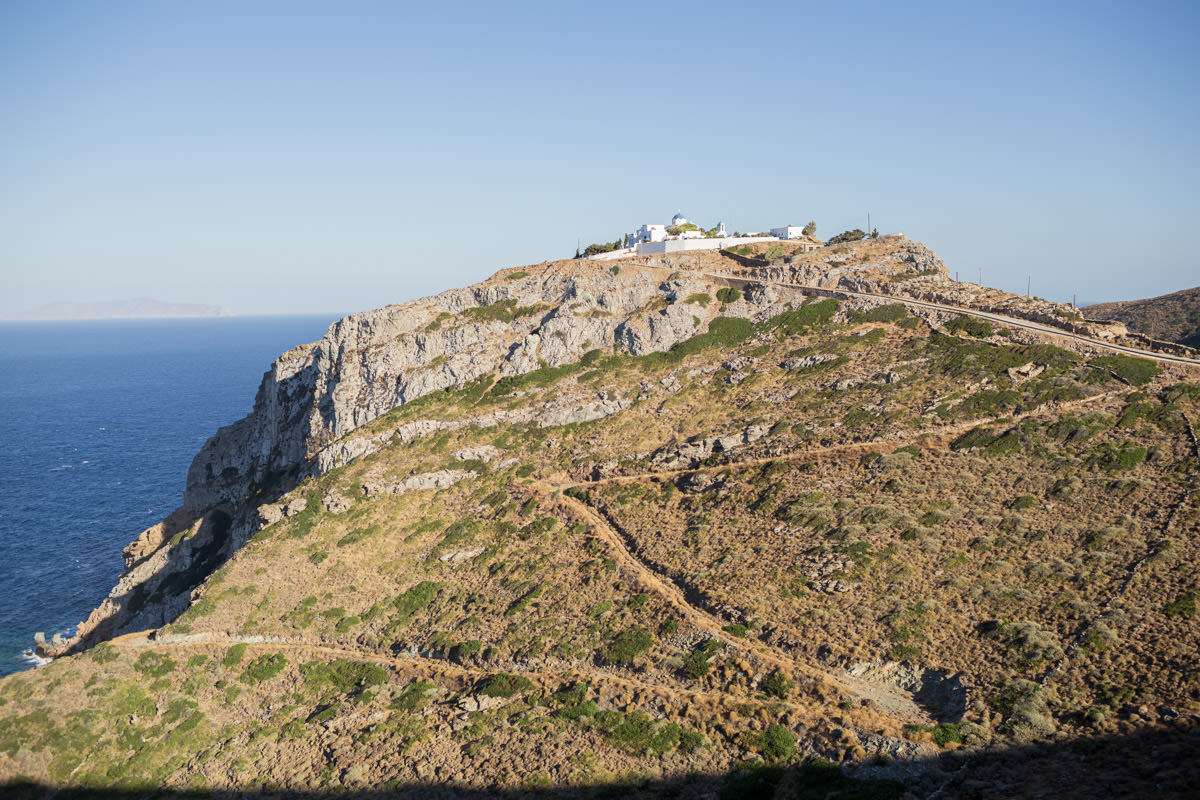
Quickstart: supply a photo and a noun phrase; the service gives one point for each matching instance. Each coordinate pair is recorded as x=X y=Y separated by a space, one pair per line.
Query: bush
x=1028 y=713
x=1137 y=371
x=464 y=651
x=1028 y=642
x=776 y=685
x=728 y=294
x=892 y=312
x=805 y=318
x=776 y=743
x=154 y=665
x=263 y=668
x=637 y=732
x=414 y=599
x=343 y=675
x=695 y=664
x=233 y=656
x=606 y=247
x=1182 y=606
x=627 y=646
x=856 y=235
x=503 y=684
x=415 y=695
x=978 y=328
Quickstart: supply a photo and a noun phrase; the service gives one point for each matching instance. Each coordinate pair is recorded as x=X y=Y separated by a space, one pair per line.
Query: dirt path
x=548 y=680
x=828 y=686
x=941 y=434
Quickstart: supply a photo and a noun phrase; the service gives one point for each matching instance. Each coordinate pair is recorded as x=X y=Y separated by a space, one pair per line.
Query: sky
x=299 y=157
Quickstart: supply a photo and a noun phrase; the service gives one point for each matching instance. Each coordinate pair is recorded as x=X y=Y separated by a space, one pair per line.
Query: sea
x=99 y=421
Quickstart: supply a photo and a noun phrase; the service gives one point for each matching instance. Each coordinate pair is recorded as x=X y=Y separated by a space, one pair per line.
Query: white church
x=650 y=239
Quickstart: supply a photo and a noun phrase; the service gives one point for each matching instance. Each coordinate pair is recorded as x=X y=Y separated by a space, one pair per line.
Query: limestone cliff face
x=369 y=363
x=845 y=269
x=366 y=365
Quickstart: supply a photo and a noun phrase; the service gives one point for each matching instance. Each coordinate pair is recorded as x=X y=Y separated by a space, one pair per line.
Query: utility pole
x=1073 y=302
x=1028 y=282
x=981 y=276
x=956 y=276
x=868 y=223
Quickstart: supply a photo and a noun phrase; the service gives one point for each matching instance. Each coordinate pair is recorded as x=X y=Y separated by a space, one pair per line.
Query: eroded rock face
x=369 y=363
x=377 y=485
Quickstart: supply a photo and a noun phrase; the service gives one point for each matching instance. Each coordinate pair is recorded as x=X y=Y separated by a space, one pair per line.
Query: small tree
x=856 y=235
x=874 y=233
x=577 y=253
x=810 y=229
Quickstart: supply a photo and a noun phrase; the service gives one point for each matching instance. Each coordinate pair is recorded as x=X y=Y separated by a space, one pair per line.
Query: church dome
x=679 y=219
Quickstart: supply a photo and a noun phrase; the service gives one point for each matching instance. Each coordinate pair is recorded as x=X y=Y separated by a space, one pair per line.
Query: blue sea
x=98 y=424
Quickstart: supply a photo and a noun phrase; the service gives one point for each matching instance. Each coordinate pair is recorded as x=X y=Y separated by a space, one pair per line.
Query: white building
x=788 y=232
x=648 y=233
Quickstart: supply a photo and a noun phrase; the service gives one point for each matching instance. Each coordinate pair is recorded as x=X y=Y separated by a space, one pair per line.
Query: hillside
x=660 y=527
x=1171 y=317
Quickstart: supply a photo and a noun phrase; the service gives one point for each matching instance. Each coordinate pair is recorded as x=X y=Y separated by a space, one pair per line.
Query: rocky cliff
x=369 y=363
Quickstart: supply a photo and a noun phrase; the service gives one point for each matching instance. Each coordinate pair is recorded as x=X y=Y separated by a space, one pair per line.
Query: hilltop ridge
x=680 y=524
x=1174 y=317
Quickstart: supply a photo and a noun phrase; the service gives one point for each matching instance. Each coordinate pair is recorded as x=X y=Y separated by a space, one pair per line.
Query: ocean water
x=98 y=424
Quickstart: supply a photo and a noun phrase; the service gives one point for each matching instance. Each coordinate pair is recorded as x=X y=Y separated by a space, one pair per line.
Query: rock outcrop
x=315 y=395
x=370 y=363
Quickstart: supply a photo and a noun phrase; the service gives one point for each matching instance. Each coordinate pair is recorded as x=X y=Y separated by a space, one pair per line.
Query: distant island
x=139 y=308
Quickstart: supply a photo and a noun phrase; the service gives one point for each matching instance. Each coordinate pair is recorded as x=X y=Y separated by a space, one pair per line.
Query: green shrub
x=104 y=653
x=415 y=695
x=690 y=741
x=776 y=743
x=722 y=332
x=233 y=656
x=154 y=665
x=1182 y=606
x=892 y=312
x=627 y=646
x=856 y=235
x=695 y=664
x=637 y=732
x=736 y=629
x=777 y=685
x=342 y=675
x=503 y=684
x=504 y=311
x=804 y=319
x=1133 y=370
x=465 y=651
x=978 y=328
x=414 y=599
x=263 y=668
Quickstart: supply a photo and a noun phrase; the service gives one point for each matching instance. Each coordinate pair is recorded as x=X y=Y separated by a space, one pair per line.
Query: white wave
x=30 y=657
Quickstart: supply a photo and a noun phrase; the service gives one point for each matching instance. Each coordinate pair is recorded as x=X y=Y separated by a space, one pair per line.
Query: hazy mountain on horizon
x=138 y=308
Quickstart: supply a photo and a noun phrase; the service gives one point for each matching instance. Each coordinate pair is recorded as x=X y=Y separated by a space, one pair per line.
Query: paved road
x=1013 y=322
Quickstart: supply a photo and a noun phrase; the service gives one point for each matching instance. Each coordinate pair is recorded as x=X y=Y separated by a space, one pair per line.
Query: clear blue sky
x=299 y=157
